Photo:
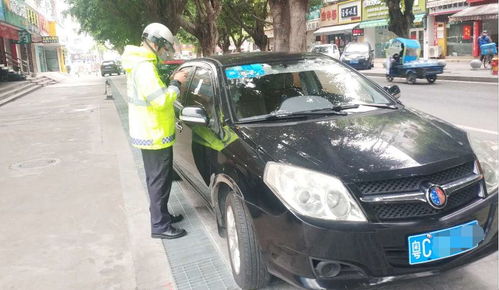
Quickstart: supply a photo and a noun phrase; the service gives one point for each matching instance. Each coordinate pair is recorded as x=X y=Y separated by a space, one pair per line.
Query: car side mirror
x=394 y=91
x=194 y=116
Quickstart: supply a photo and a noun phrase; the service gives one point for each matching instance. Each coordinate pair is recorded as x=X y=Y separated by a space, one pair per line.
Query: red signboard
x=358 y=32
x=467 y=32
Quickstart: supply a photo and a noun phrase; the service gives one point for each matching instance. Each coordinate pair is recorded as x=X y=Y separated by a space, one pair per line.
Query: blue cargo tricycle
x=403 y=61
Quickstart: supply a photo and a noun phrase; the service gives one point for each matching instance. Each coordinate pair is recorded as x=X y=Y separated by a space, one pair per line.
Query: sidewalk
x=74 y=212
x=455 y=69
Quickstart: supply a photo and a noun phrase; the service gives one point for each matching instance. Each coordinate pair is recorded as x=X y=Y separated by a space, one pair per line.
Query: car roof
x=256 y=57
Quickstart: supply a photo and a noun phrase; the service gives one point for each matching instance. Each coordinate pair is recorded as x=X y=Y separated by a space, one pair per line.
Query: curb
x=444 y=77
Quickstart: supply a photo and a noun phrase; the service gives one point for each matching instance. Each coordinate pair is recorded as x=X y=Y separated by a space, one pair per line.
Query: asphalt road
x=471 y=106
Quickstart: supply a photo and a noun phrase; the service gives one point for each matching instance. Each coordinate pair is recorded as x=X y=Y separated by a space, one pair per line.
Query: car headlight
x=488 y=163
x=311 y=193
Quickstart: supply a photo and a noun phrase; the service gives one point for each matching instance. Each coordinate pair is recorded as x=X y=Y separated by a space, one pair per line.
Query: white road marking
x=478 y=130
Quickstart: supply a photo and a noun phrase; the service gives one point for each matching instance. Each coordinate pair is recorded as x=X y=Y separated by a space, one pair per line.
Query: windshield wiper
x=336 y=109
x=386 y=106
x=271 y=117
x=282 y=115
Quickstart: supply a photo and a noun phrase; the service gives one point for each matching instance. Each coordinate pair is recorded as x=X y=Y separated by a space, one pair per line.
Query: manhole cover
x=37 y=163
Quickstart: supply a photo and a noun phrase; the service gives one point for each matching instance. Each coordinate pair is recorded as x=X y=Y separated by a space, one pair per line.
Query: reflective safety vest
x=206 y=137
x=150 y=104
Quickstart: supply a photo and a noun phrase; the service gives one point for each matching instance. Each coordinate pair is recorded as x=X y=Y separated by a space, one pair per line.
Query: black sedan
x=110 y=67
x=358 y=55
x=321 y=177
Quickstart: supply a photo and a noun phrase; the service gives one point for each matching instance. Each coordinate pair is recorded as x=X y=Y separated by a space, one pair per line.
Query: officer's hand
x=180 y=76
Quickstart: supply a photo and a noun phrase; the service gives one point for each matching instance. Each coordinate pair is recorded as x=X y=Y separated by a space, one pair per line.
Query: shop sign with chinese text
x=15 y=12
x=349 y=12
x=436 y=3
x=50 y=39
x=329 y=15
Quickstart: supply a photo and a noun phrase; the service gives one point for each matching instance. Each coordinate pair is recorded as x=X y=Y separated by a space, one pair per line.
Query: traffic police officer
x=152 y=121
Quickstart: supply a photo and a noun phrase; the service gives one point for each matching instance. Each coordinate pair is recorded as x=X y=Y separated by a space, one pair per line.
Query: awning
x=481 y=12
x=337 y=28
x=384 y=22
x=374 y=23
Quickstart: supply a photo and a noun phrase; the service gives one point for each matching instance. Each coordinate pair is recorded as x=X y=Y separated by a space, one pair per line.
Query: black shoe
x=171 y=233
x=176 y=218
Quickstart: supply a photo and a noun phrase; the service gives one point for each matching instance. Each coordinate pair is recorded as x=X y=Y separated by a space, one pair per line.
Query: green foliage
x=250 y=15
x=120 y=22
x=313 y=3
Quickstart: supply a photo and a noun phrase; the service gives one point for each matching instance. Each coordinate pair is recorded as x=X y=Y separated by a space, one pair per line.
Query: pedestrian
x=483 y=39
x=152 y=121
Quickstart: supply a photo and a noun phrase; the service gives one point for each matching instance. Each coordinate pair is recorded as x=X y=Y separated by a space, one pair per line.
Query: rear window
x=265 y=88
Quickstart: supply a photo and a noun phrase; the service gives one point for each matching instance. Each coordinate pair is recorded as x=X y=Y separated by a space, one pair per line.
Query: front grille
x=413 y=183
x=398 y=211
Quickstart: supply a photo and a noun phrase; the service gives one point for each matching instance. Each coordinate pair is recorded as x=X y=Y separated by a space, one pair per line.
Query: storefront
x=337 y=22
x=375 y=24
x=50 y=55
x=446 y=38
x=471 y=21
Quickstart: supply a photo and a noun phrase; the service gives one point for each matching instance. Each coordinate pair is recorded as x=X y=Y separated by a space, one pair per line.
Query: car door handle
x=179 y=127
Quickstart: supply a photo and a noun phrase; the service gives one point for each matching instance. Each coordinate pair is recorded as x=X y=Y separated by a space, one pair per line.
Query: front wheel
x=411 y=78
x=431 y=78
x=389 y=78
x=248 y=267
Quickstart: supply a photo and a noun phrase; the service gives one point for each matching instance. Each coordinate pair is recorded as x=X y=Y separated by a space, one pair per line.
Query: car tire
x=246 y=260
x=389 y=78
x=411 y=78
x=431 y=78
x=103 y=74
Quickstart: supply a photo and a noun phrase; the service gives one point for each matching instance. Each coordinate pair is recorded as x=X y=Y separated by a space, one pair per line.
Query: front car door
x=192 y=147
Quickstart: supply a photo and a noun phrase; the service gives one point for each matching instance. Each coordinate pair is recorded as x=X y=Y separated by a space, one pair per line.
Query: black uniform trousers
x=158 y=165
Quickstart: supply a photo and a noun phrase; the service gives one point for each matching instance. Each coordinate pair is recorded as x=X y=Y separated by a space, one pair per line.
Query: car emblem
x=436 y=197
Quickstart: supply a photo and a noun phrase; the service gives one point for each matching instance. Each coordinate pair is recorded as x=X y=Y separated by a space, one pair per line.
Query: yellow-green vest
x=150 y=104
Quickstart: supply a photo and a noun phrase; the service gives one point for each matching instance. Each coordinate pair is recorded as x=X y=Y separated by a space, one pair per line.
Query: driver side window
x=201 y=93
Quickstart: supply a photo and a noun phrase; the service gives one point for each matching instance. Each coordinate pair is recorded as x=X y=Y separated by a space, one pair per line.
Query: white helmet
x=160 y=35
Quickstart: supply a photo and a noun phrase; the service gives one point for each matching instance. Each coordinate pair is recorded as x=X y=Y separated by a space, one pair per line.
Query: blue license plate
x=441 y=244
x=354 y=61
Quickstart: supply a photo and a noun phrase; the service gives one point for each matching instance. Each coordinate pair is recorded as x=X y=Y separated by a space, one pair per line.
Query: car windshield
x=108 y=62
x=357 y=48
x=264 y=89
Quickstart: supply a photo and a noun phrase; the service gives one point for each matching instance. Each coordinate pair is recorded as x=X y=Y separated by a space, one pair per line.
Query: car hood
x=363 y=143
x=355 y=55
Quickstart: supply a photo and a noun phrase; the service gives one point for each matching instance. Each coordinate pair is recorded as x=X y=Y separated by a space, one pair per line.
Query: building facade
x=444 y=28
x=27 y=36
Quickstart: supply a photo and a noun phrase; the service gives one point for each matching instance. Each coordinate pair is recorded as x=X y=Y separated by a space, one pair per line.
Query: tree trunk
x=209 y=38
x=400 y=23
x=224 y=40
x=280 y=14
x=258 y=35
x=298 y=25
x=204 y=25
